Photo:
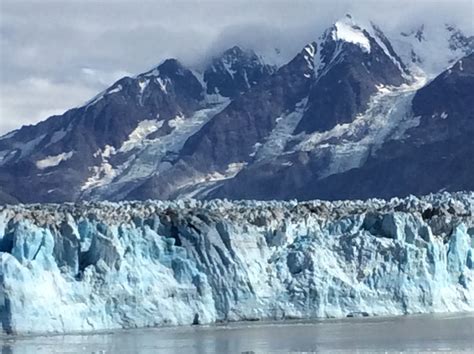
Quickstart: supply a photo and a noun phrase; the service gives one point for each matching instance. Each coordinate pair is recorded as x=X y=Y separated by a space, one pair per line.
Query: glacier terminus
x=102 y=265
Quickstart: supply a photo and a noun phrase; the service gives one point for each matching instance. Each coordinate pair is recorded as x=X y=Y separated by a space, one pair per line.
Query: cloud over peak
x=57 y=54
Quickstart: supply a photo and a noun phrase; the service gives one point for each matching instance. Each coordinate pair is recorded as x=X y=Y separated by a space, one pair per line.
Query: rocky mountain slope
x=83 y=267
x=357 y=113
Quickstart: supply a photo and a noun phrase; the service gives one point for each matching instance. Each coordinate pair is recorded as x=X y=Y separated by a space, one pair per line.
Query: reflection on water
x=407 y=333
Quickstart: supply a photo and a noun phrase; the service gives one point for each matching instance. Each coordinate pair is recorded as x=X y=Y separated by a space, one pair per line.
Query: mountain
x=436 y=154
x=427 y=147
x=126 y=126
x=357 y=113
x=351 y=64
x=234 y=72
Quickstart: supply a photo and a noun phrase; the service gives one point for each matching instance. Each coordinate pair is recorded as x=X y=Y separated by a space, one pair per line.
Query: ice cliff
x=93 y=266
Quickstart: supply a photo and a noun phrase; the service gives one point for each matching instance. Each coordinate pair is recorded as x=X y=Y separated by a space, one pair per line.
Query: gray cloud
x=58 y=54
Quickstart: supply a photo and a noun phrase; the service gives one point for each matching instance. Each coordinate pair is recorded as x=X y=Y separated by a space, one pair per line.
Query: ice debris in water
x=94 y=266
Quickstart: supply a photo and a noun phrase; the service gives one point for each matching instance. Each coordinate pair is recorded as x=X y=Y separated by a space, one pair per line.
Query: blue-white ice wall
x=102 y=265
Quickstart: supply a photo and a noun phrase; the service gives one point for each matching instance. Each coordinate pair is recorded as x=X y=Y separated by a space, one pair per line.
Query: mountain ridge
x=173 y=132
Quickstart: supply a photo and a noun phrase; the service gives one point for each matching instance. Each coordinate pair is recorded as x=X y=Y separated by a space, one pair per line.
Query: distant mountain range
x=356 y=114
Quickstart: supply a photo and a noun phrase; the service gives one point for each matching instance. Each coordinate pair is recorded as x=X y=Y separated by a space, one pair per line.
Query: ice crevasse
x=95 y=266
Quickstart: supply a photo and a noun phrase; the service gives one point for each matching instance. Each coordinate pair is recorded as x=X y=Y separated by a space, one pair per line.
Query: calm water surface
x=421 y=333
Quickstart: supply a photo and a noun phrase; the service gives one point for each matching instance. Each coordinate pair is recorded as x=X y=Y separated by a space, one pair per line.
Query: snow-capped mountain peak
x=348 y=31
x=350 y=38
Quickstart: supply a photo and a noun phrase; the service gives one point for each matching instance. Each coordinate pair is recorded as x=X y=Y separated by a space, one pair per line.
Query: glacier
x=102 y=265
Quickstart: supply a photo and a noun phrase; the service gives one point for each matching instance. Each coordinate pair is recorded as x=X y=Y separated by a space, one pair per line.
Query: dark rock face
x=268 y=180
x=6 y=198
x=231 y=135
x=451 y=92
x=235 y=72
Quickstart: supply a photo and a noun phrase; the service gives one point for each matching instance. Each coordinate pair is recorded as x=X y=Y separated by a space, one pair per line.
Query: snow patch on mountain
x=116 y=89
x=310 y=49
x=137 y=138
x=94 y=100
x=349 y=145
x=274 y=145
x=309 y=52
x=142 y=84
x=150 y=156
x=163 y=84
x=177 y=121
x=102 y=174
x=348 y=32
x=234 y=168
x=52 y=161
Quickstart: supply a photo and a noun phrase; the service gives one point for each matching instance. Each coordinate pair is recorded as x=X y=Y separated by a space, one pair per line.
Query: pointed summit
x=235 y=71
x=171 y=77
x=347 y=31
x=351 y=62
x=171 y=67
x=168 y=68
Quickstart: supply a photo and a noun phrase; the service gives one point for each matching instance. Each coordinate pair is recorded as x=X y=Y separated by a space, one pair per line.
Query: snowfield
x=52 y=161
x=96 y=266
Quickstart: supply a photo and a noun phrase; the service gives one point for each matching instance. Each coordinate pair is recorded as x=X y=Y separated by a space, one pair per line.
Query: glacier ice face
x=99 y=266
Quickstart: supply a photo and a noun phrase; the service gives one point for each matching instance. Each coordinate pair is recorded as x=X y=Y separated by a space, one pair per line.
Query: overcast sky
x=56 y=55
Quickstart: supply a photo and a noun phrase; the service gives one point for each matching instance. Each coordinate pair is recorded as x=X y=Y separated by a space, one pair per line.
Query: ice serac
x=103 y=265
